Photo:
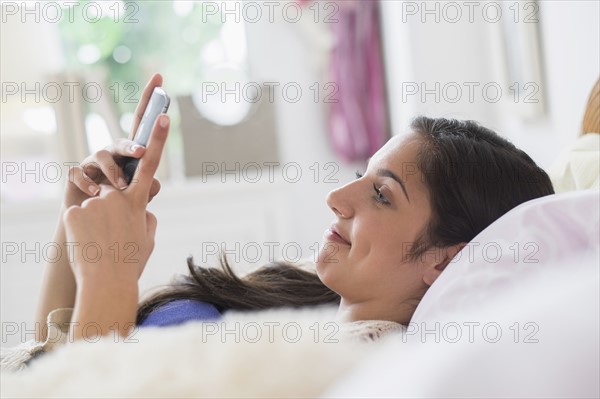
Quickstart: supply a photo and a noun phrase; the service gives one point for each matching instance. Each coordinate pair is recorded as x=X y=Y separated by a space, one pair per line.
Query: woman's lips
x=332 y=235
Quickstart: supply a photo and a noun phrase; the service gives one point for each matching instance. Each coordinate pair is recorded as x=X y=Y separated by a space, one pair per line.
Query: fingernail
x=135 y=147
x=93 y=190
x=121 y=183
x=164 y=121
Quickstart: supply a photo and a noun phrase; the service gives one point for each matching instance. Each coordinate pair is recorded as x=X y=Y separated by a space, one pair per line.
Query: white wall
x=297 y=52
x=461 y=52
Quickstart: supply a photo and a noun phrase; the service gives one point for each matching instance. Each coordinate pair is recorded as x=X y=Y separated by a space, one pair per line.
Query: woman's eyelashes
x=378 y=197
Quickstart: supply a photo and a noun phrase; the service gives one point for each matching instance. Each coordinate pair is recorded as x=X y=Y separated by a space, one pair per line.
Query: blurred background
x=273 y=104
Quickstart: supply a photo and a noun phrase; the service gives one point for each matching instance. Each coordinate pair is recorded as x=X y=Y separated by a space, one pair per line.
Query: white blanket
x=277 y=353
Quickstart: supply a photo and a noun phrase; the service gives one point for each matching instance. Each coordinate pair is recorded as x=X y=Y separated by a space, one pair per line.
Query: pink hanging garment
x=358 y=121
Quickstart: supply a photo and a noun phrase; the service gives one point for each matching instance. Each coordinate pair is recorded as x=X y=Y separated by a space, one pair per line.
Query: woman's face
x=379 y=216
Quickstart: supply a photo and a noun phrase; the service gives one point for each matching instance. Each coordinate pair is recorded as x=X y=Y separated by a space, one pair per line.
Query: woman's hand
x=112 y=233
x=112 y=236
x=104 y=166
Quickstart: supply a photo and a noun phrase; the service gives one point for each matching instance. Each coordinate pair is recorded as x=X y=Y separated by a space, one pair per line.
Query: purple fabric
x=358 y=119
x=179 y=312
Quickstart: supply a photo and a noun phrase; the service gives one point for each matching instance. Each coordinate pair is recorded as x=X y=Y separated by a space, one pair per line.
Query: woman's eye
x=379 y=197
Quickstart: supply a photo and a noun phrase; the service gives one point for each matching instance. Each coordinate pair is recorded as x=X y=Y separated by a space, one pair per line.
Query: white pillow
x=505 y=327
x=578 y=166
x=539 y=237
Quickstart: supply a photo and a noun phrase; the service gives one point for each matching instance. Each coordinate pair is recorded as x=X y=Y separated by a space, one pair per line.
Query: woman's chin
x=326 y=265
x=324 y=274
x=326 y=259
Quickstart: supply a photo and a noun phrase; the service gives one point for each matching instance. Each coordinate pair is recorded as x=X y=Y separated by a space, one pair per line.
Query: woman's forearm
x=58 y=283
x=104 y=306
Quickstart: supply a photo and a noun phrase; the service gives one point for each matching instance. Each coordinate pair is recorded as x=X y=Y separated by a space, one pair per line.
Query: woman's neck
x=372 y=310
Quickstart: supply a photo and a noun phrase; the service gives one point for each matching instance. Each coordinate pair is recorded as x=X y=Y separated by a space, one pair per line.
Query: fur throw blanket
x=275 y=353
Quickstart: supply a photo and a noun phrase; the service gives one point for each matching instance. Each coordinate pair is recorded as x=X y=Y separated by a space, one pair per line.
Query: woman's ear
x=435 y=268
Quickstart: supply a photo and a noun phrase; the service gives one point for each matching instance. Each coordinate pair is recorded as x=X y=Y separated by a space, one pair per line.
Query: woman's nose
x=339 y=202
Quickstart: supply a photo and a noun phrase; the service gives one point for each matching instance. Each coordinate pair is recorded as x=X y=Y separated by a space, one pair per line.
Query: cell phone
x=158 y=104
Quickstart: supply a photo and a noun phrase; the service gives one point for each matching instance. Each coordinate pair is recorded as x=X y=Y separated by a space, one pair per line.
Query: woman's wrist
x=97 y=281
x=106 y=273
x=104 y=306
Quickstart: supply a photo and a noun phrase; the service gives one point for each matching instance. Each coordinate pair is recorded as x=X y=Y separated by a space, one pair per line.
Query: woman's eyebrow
x=388 y=173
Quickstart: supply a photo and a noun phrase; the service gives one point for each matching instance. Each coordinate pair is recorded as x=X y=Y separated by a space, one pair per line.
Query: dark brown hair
x=278 y=284
x=473 y=176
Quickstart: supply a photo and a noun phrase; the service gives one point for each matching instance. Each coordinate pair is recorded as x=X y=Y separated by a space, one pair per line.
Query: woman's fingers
x=126 y=148
x=85 y=183
x=154 y=189
x=103 y=165
x=144 y=175
x=155 y=80
x=105 y=161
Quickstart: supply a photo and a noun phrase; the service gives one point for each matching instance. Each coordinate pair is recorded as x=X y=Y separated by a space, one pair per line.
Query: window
x=112 y=47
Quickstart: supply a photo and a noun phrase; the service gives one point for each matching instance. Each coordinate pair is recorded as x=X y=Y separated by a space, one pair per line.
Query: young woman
x=395 y=228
